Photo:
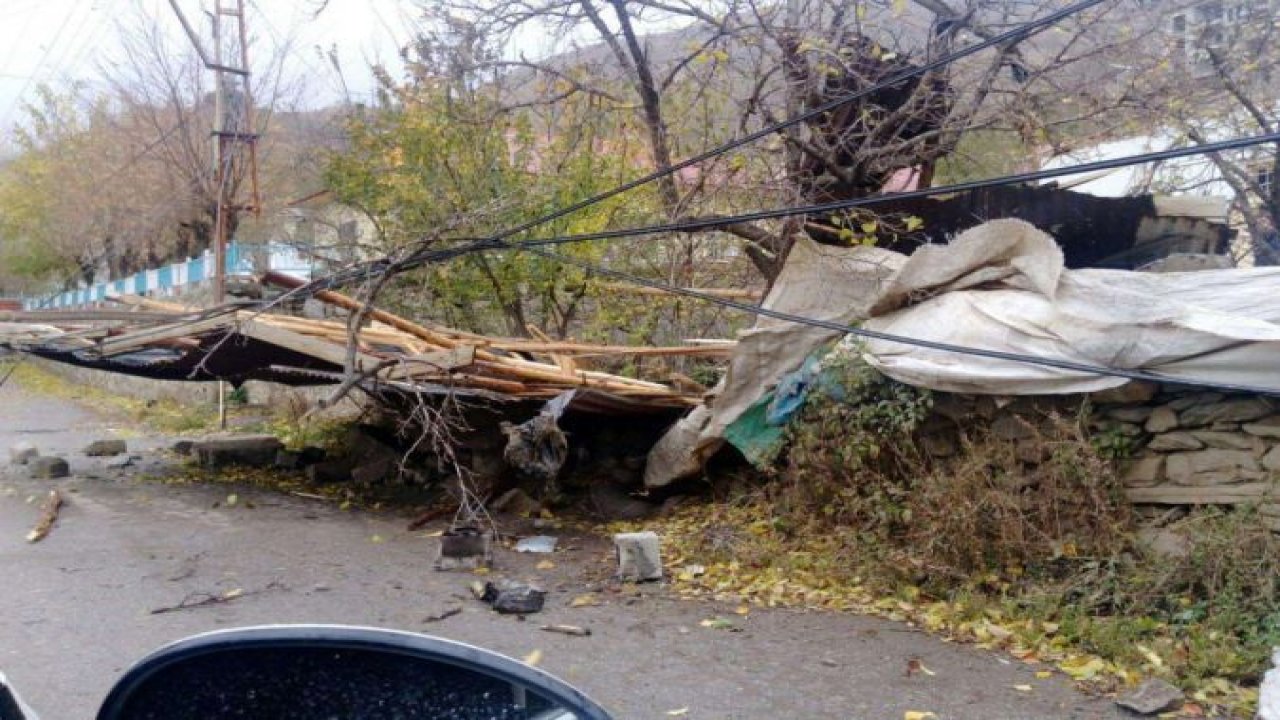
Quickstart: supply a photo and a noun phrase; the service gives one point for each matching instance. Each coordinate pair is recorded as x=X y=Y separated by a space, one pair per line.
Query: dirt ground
x=76 y=608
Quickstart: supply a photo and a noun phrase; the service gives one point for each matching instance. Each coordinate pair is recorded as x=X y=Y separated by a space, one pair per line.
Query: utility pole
x=235 y=153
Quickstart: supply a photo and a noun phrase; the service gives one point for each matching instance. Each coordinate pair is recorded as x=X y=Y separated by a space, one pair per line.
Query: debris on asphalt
x=513 y=598
x=48 y=516
x=442 y=615
x=568 y=630
x=464 y=548
x=21 y=453
x=122 y=461
x=48 y=467
x=203 y=599
x=588 y=600
x=1151 y=697
x=249 y=450
x=106 y=448
x=639 y=556
x=537 y=544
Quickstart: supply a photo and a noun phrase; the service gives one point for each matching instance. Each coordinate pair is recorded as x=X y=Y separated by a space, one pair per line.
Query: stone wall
x=1175 y=446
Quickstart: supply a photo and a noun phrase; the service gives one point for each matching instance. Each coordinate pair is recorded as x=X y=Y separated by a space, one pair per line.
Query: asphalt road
x=76 y=608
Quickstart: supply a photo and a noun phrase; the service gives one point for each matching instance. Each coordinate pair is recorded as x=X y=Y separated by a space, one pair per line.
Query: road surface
x=76 y=608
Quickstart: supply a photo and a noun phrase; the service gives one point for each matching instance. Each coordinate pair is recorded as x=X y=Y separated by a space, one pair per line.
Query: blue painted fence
x=177 y=278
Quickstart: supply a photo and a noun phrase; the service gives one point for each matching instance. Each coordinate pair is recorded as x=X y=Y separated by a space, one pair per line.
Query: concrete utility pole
x=235 y=152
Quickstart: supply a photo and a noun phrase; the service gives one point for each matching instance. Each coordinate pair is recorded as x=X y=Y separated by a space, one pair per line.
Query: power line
x=723 y=221
x=1018 y=33
x=904 y=340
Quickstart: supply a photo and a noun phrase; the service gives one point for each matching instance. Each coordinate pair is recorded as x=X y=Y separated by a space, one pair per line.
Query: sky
x=58 y=41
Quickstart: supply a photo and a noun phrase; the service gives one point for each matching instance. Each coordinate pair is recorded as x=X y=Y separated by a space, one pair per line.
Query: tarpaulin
x=1000 y=286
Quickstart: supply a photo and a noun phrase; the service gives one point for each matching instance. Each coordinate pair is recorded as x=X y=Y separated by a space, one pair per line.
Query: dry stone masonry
x=1177 y=446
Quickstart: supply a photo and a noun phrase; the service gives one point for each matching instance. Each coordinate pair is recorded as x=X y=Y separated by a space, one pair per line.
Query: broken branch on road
x=204 y=599
x=48 y=516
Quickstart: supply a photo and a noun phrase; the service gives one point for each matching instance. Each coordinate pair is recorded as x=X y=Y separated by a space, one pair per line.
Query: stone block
x=21 y=453
x=251 y=450
x=1241 y=410
x=106 y=448
x=1230 y=441
x=639 y=556
x=1271 y=461
x=1153 y=696
x=48 y=467
x=1137 y=414
x=1201 y=398
x=1210 y=467
x=1174 y=441
x=1162 y=419
x=1267 y=427
x=1143 y=472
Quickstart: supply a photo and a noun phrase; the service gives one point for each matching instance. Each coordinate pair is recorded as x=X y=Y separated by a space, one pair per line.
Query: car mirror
x=323 y=672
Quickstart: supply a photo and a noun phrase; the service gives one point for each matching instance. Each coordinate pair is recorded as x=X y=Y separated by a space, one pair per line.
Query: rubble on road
x=250 y=450
x=22 y=453
x=465 y=548
x=513 y=598
x=48 y=467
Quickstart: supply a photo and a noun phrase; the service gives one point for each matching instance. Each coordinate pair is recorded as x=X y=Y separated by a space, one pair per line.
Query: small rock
x=21 y=453
x=1170 y=442
x=1268 y=427
x=1032 y=452
x=1162 y=419
x=122 y=461
x=639 y=556
x=513 y=598
x=1151 y=697
x=48 y=467
x=106 y=448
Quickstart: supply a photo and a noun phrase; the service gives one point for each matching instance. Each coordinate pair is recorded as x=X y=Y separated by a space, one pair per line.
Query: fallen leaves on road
x=588 y=600
x=919 y=715
x=545 y=565
x=678 y=712
x=533 y=658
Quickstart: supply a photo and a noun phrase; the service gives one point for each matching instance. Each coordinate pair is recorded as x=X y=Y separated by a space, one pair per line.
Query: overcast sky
x=55 y=41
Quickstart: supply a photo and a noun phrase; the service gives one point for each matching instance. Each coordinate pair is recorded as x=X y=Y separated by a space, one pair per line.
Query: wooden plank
x=319 y=349
x=140 y=338
x=431 y=363
x=565 y=362
x=1211 y=495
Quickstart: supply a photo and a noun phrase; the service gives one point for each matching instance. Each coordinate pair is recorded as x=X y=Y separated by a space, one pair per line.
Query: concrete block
x=639 y=556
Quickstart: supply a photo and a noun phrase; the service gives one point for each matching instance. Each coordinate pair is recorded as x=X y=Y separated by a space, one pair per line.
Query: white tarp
x=999 y=286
